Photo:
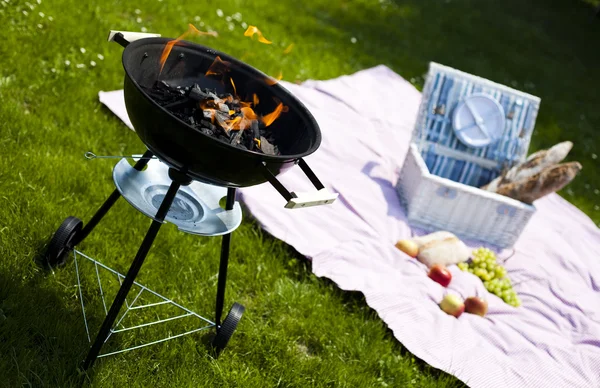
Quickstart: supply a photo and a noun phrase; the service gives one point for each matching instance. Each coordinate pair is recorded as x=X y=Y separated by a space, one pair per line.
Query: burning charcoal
x=208 y=114
x=241 y=146
x=268 y=148
x=222 y=118
x=197 y=94
x=213 y=96
x=223 y=107
x=255 y=129
x=236 y=137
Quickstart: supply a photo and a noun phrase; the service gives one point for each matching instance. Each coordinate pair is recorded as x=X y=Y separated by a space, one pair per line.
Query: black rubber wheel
x=228 y=326
x=61 y=242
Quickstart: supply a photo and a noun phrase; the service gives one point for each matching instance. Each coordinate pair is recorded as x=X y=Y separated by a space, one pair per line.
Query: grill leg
x=131 y=275
x=225 y=244
x=87 y=229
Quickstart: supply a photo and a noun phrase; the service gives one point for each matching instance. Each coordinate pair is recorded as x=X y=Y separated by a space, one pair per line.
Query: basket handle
x=298 y=200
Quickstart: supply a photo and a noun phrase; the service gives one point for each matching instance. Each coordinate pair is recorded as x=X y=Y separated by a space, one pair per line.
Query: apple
x=476 y=305
x=409 y=247
x=440 y=274
x=453 y=305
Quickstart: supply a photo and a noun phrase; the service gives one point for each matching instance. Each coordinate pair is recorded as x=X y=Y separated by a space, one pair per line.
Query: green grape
x=463 y=266
x=487 y=277
x=476 y=259
x=486 y=284
x=500 y=272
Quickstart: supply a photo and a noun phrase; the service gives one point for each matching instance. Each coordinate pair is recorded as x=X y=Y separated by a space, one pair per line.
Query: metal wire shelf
x=119 y=327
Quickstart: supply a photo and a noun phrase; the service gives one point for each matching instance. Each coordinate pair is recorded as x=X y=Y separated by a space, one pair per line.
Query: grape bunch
x=483 y=265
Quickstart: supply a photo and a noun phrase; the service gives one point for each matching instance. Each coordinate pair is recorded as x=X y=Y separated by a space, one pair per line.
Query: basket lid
x=469 y=128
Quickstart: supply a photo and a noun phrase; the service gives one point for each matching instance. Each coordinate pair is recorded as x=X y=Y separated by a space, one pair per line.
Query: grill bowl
x=183 y=147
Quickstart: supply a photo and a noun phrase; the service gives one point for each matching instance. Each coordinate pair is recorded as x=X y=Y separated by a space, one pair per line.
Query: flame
x=170 y=44
x=255 y=99
x=249 y=113
x=269 y=118
x=251 y=30
x=232 y=84
x=218 y=67
x=272 y=81
x=231 y=124
x=288 y=49
x=257 y=141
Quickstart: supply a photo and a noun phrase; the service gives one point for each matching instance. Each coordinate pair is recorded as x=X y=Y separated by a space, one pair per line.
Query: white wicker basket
x=438 y=184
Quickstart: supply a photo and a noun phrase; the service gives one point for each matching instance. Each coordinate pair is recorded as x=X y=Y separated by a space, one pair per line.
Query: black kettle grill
x=193 y=158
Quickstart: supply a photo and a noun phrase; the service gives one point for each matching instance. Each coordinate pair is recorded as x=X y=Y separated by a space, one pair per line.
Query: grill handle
x=125 y=37
x=322 y=196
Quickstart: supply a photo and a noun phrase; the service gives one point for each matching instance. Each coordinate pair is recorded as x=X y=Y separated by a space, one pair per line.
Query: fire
x=255 y=99
x=170 y=44
x=249 y=113
x=288 y=49
x=272 y=81
x=252 y=30
x=233 y=84
x=218 y=67
x=269 y=118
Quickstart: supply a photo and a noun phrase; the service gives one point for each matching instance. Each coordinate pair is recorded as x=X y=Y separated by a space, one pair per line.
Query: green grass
x=298 y=330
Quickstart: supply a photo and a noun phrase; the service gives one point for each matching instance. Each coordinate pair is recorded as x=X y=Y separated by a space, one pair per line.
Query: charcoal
x=197 y=94
x=177 y=104
x=220 y=109
x=212 y=95
x=255 y=129
x=267 y=147
x=207 y=131
x=236 y=137
x=209 y=125
x=162 y=85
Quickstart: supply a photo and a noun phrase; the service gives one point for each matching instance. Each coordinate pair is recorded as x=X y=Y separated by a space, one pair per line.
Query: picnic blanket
x=552 y=340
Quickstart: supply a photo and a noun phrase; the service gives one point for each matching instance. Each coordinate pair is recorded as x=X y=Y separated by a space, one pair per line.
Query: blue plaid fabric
x=446 y=89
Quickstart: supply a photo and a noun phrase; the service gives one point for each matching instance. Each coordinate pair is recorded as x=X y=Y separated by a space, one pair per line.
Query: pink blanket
x=553 y=340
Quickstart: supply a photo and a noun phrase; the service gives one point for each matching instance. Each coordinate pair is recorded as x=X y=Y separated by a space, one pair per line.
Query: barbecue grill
x=184 y=174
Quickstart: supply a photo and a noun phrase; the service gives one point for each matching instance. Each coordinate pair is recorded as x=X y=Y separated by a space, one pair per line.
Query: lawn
x=298 y=330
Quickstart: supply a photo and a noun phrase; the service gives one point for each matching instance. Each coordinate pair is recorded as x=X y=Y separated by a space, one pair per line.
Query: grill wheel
x=227 y=328
x=61 y=242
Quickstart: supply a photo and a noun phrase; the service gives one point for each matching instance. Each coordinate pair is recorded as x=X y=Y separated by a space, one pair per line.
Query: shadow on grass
x=44 y=335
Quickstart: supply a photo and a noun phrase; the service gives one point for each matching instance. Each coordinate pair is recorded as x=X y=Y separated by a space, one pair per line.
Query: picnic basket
x=442 y=172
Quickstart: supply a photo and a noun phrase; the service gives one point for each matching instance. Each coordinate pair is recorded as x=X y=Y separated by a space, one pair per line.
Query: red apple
x=440 y=274
x=453 y=305
x=476 y=305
